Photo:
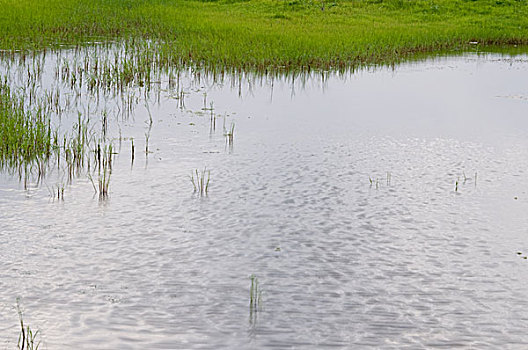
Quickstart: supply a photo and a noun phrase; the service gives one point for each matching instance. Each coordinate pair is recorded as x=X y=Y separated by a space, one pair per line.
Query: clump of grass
x=25 y=137
x=27 y=339
x=255 y=294
x=200 y=181
x=459 y=182
x=57 y=192
x=229 y=133
x=255 y=299
x=103 y=183
x=374 y=182
x=103 y=156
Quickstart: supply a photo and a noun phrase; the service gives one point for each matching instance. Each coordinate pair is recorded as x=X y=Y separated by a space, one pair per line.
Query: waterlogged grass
x=268 y=34
x=200 y=181
x=32 y=148
x=28 y=339
x=25 y=137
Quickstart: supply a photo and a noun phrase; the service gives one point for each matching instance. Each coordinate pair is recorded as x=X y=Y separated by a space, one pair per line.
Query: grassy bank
x=269 y=33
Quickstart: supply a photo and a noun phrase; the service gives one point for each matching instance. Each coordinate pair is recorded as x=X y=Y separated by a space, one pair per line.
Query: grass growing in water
x=255 y=299
x=229 y=133
x=200 y=182
x=255 y=294
x=27 y=340
x=103 y=160
x=25 y=138
x=267 y=34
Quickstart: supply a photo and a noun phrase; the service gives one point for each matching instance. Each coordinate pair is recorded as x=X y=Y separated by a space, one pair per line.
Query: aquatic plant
x=103 y=156
x=57 y=192
x=255 y=294
x=200 y=182
x=255 y=300
x=26 y=137
x=229 y=133
x=132 y=150
x=374 y=182
x=27 y=339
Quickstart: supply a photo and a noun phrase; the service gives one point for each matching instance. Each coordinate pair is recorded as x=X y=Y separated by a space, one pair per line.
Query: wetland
x=171 y=207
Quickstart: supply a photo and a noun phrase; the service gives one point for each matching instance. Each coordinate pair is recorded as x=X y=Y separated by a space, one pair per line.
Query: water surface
x=339 y=195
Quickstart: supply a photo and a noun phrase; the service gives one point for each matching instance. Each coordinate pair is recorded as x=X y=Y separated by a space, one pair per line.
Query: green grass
x=200 y=182
x=268 y=34
x=25 y=137
x=27 y=339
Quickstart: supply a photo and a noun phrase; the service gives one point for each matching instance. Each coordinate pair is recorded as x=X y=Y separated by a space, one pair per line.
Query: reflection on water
x=338 y=194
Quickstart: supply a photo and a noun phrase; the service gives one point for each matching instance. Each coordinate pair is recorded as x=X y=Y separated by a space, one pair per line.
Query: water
x=398 y=261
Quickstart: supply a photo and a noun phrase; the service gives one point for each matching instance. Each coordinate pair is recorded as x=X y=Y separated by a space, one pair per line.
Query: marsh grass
x=255 y=294
x=200 y=181
x=31 y=147
x=374 y=182
x=57 y=192
x=262 y=35
x=229 y=134
x=26 y=138
x=103 y=170
x=461 y=181
x=28 y=338
x=255 y=299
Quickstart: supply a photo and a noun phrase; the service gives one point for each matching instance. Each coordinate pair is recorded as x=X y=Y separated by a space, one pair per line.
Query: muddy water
x=338 y=195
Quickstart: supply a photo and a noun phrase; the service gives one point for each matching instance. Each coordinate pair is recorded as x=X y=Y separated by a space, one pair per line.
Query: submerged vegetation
x=268 y=34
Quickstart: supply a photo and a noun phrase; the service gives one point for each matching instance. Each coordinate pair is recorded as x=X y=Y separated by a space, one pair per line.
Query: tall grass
x=26 y=137
x=267 y=34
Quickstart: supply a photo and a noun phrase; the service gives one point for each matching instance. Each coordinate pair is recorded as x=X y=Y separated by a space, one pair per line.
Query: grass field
x=268 y=34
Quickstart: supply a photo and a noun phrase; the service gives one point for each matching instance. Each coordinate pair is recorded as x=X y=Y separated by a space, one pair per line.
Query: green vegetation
x=255 y=300
x=200 y=182
x=31 y=148
x=229 y=133
x=25 y=137
x=268 y=34
x=27 y=339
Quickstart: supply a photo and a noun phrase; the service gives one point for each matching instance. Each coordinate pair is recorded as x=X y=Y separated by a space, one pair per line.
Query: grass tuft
x=200 y=181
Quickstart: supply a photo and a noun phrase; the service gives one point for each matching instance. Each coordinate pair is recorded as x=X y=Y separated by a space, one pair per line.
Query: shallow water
x=398 y=261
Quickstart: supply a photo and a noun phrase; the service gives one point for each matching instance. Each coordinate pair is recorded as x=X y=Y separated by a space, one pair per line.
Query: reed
x=27 y=339
x=229 y=134
x=255 y=299
x=200 y=181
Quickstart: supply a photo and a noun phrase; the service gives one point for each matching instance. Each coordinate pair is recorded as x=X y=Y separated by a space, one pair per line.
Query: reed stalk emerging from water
x=229 y=134
x=200 y=182
x=27 y=340
x=255 y=299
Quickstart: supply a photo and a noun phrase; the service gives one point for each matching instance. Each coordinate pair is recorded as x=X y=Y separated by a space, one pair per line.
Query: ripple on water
x=401 y=261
